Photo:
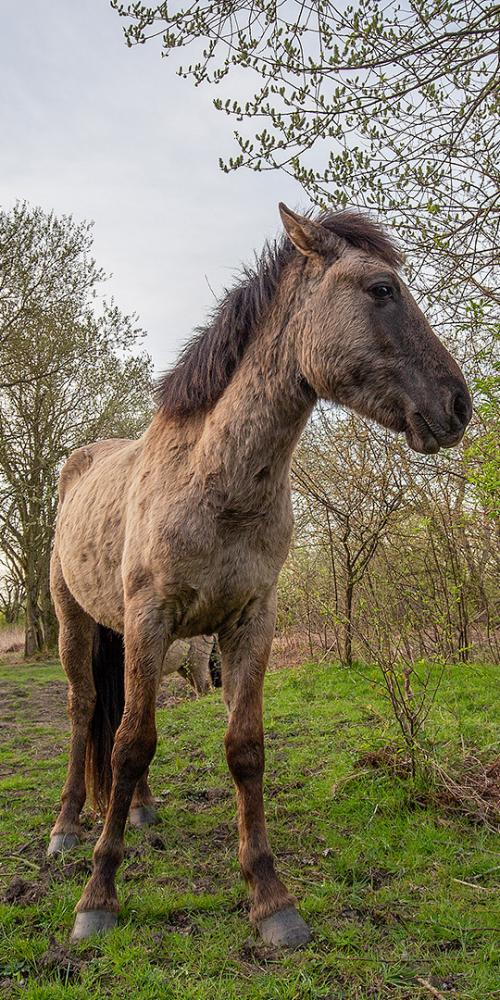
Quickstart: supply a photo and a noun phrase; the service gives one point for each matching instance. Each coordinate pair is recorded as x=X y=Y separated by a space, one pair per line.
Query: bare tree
x=346 y=479
x=45 y=269
x=71 y=374
x=384 y=106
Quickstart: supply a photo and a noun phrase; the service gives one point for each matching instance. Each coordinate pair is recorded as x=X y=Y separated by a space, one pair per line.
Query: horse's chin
x=420 y=437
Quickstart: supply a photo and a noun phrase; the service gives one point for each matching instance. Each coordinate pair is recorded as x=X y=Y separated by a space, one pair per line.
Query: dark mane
x=364 y=234
x=209 y=360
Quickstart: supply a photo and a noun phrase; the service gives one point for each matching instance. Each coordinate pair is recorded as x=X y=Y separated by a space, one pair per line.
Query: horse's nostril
x=460 y=407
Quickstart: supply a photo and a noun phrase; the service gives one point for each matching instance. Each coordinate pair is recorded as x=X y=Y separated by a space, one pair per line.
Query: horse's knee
x=133 y=753
x=81 y=703
x=245 y=756
x=109 y=852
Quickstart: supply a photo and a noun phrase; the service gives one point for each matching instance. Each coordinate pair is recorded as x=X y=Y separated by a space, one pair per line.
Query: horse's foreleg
x=76 y=632
x=245 y=651
x=143 y=810
x=133 y=750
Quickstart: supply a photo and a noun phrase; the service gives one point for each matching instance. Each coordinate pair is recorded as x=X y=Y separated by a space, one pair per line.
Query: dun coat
x=184 y=532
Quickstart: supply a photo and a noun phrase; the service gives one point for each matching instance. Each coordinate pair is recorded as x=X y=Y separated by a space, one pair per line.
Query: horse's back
x=81 y=460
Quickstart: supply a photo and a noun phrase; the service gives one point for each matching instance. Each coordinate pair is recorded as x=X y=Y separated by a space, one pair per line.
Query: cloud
x=106 y=133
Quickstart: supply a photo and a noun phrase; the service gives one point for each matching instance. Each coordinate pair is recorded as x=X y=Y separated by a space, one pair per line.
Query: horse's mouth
x=426 y=439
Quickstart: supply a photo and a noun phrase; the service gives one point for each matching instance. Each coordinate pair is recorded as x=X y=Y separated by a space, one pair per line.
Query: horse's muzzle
x=429 y=431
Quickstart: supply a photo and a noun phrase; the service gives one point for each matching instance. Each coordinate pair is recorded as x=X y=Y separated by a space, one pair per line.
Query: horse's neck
x=250 y=436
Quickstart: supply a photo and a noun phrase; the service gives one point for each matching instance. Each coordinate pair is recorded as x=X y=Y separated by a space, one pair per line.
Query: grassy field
x=402 y=897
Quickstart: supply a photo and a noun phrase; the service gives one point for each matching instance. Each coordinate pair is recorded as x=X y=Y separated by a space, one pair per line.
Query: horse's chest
x=241 y=567
x=222 y=573
x=252 y=552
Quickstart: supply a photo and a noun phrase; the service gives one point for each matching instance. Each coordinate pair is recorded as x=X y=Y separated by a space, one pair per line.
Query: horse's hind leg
x=143 y=810
x=76 y=633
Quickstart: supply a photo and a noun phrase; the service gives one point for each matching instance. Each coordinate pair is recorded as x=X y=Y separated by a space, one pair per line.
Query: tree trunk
x=347 y=657
x=33 y=636
x=47 y=615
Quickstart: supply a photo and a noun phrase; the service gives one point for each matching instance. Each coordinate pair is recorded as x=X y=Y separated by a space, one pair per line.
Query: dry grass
x=469 y=787
x=391 y=759
x=291 y=649
x=11 y=641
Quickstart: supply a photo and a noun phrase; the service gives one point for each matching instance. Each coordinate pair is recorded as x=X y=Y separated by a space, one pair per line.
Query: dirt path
x=45 y=703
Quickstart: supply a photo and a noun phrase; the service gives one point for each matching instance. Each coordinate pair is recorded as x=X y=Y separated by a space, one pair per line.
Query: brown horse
x=184 y=532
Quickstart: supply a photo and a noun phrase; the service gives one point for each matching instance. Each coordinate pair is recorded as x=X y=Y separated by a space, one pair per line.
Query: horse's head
x=362 y=340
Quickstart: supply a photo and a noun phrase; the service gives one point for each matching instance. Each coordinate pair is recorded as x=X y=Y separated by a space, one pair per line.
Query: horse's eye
x=381 y=291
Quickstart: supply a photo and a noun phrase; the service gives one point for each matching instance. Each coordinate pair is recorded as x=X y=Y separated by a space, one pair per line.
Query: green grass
x=394 y=889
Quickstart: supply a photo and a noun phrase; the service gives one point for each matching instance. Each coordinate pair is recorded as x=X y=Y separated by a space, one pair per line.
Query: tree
x=385 y=106
x=46 y=268
x=483 y=452
x=394 y=553
x=348 y=486
x=69 y=373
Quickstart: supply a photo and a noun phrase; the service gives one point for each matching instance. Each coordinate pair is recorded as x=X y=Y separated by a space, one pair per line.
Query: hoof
x=143 y=816
x=91 y=922
x=284 y=929
x=61 y=842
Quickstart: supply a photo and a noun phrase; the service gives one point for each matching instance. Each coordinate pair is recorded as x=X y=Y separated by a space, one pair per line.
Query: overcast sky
x=91 y=128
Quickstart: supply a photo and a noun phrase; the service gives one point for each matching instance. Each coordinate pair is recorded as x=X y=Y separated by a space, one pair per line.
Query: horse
x=193 y=661
x=184 y=531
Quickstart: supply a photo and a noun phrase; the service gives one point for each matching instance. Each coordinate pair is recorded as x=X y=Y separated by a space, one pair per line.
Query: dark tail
x=108 y=668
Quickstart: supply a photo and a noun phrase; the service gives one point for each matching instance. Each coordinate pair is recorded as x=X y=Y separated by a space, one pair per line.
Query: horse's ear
x=307 y=236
